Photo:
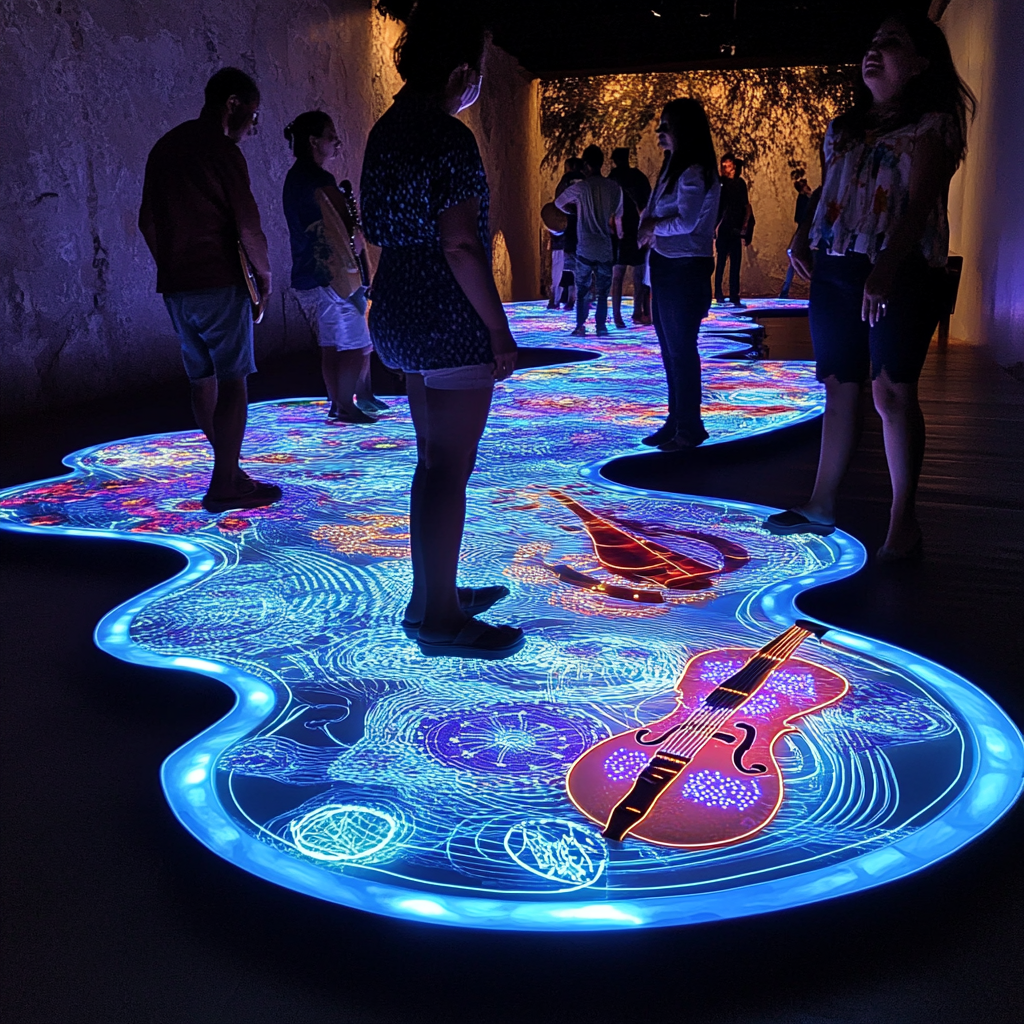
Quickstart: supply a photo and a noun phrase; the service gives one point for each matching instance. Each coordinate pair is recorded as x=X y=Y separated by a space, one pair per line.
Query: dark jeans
x=680 y=298
x=602 y=273
x=730 y=249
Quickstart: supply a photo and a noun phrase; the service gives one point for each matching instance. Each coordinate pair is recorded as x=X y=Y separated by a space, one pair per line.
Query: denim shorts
x=848 y=348
x=215 y=328
x=336 y=322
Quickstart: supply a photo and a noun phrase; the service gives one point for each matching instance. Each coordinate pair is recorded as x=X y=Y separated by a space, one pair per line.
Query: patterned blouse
x=867 y=189
x=420 y=161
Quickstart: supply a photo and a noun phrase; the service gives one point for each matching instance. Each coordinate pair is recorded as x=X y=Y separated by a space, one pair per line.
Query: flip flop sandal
x=791 y=521
x=476 y=639
x=261 y=494
x=472 y=600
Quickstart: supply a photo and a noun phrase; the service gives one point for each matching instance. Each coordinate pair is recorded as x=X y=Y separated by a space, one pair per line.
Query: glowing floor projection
x=353 y=769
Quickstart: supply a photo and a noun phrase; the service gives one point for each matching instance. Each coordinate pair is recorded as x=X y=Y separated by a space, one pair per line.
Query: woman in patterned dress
x=879 y=236
x=435 y=311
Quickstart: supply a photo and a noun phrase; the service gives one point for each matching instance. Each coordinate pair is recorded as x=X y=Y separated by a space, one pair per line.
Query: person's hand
x=645 y=233
x=799 y=253
x=503 y=345
x=263 y=284
x=877 y=289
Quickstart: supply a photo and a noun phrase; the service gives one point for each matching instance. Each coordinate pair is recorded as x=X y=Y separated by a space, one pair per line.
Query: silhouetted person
x=803 y=198
x=597 y=203
x=734 y=221
x=636 y=191
x=679 y=227
x=436 y=314
x=567 y=283
x=879 y=234
x=326 y=277
x=197 y=207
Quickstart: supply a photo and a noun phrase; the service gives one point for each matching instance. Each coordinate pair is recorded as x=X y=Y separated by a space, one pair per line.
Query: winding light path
x=355 y=770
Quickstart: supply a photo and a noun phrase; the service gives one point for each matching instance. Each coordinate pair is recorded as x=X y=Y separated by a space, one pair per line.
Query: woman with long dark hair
x=435 y=313
x=679 y=227
x=325 y=275
x=879 y=237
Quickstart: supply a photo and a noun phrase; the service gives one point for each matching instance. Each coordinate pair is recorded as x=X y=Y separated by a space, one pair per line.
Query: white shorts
x=336 y=322
x=459 y=378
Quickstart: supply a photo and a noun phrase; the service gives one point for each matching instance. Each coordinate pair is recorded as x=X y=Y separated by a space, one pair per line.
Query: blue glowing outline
x=996 y=782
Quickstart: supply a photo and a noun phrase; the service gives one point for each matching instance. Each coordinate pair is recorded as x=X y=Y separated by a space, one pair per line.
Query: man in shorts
x=197 y=206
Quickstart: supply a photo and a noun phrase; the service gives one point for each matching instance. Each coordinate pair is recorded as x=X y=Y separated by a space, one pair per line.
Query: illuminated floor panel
x=353 y=769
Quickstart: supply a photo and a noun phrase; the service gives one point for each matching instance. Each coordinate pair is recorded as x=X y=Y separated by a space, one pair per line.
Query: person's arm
x=616 y=220
x=247 y=220
x=460 y=243
x=799 y=251
x=690 y=194
x=930 y=171
x=566 y=201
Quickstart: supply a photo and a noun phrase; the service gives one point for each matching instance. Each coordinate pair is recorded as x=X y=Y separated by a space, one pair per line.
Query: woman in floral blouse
x=879 y=236
x=435 y=310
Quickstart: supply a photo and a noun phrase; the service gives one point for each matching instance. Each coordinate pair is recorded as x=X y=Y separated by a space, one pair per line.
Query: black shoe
x=660 y=436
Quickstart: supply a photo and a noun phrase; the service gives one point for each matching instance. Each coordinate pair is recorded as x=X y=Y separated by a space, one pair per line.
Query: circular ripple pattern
x=355 y=770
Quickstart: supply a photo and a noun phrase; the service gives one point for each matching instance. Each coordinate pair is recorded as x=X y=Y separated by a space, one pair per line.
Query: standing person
x=803 y=199
x=327 y=282
x=734 y=225
x=436 y=313
x=679 y=227
x=597 y=203
x=636 y=191
x=880 y=237
x=557 y=246
x=567 y=283
x=197 y=208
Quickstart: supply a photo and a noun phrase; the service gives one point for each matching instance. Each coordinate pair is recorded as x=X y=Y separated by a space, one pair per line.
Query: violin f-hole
x=642 y=733
x=746 y=743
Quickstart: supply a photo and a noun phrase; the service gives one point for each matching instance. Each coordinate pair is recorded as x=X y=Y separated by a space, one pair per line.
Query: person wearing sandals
x=436 y=314
x=325 y=273
x=679 y=228
x=879 y=236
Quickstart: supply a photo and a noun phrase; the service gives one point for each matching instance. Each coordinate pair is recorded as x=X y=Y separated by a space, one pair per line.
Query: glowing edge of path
x=186 y=775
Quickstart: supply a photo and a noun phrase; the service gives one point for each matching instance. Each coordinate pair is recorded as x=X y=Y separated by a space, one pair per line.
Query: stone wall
x=90 y=85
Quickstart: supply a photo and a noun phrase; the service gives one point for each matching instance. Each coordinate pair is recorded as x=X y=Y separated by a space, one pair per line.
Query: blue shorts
x=848 y=348
x=215 y=328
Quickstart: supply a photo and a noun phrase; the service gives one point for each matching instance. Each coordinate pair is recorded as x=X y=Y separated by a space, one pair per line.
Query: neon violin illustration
x=706 y=774
x=643 y=560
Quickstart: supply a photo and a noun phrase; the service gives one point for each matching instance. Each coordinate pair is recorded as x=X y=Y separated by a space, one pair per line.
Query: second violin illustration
x=706 y=774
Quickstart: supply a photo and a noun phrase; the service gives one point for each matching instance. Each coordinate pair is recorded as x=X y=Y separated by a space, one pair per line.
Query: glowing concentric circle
x=354 y=770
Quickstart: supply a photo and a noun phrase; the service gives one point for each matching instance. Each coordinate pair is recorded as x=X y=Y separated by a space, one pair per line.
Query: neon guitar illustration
x=706 y=774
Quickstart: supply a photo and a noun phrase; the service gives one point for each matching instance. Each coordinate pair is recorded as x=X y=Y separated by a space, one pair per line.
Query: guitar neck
x=742 y=685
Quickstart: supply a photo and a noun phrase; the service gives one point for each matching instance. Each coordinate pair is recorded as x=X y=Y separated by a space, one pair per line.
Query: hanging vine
x=755 y=113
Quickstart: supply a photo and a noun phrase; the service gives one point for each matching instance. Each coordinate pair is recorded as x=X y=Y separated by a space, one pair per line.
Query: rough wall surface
x=986 y=212
x=88 y=87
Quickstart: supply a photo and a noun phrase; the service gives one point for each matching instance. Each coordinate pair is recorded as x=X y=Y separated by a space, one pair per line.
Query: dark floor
x=112 y=913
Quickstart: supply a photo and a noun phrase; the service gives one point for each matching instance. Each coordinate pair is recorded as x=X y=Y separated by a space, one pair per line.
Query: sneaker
x=579 y=332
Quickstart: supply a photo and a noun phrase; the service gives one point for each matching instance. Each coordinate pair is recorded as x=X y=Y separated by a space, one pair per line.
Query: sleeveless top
x=420 y=161
x=867 y=189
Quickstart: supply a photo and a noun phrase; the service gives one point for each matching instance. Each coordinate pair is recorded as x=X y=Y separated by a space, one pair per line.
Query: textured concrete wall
x=986 y=211
x=88 y=87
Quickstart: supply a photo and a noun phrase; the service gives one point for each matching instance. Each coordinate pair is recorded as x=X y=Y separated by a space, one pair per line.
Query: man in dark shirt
x=197 y=207
x=735 y=218
x=636 y=191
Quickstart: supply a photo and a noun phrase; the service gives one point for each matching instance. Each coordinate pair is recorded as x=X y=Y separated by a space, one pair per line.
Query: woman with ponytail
x=325 y=243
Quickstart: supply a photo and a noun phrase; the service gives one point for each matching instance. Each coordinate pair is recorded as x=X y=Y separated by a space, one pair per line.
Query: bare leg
x=204 y=401
x=329 y=368
x=839 y=430
x=364 y=389
x=229 y=418
x=903 y=433
x=449 y=425
x=618 y=276
x=349 y=366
